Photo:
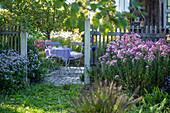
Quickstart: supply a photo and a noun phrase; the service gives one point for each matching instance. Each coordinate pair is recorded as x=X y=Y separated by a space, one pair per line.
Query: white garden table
x=63 y=53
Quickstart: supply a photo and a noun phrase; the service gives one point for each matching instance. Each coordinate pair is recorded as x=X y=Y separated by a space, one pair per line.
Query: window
x=167 y=4
x=166 y=13
x=122 y=5
x=168 y=19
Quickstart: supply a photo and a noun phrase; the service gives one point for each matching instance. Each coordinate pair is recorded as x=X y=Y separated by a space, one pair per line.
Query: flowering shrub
x=35 y=68
x=12 y=71
x=36 y=62
x=41 y=43
x=137 y=62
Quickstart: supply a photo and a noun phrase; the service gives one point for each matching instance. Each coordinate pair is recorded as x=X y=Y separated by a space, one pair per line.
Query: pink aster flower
x=108 y=62
x=107 y=54
x=117 y=76
x=146 y=66
x=102 y=62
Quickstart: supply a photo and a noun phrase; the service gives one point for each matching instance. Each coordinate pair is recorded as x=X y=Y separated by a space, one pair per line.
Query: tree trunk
x=48 y=35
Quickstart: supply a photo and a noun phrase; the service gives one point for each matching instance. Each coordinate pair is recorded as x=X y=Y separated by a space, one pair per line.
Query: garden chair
x=52 y=57
x=76 y=56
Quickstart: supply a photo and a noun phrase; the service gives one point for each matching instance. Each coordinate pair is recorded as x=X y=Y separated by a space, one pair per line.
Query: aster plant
x=12 y=71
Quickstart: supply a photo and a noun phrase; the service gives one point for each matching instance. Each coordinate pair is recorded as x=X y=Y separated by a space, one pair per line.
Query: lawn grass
x=38 y=99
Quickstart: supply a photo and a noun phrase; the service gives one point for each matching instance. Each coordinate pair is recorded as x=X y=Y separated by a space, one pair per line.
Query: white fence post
x=87 y=50
x=23 y=37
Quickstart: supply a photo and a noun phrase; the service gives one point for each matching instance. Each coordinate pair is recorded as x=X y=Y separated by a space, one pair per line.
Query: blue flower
x=168 y=79
x=163 y=89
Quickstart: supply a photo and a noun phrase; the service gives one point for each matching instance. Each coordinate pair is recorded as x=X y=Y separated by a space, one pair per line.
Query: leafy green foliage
x=157 y=96
x=6 y=18
x=156 y=102
x=48 y=15
x=42 y=15
x=82 y=77
x=39 y=98
x=102 y=98
x=150 y=108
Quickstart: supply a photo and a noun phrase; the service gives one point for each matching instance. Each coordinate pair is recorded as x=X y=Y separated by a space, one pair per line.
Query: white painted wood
x=23 y=37
x=166 y=11
x=87 y=51
x=122 y=5
x=160 y=12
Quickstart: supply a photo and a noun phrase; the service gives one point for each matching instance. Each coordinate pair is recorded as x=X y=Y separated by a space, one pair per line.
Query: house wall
x=154 y=10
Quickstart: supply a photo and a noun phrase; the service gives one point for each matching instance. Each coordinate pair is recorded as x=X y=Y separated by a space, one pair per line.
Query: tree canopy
x=48 y=15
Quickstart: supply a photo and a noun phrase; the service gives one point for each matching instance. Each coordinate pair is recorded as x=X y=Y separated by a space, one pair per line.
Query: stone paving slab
x=64 y=76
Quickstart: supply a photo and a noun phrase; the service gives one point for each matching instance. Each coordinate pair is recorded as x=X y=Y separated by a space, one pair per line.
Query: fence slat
x=137 y=29
x=1 y=38
x=15 y=42
x=12 y=38
x=4 y=39
x=160 y=29
x=129 y=29
x=151 y=32
x=165 y=31
x=18 y=43
x=96 y=49
x=146 y=32
x=155 y=33
x=99 y=45
x=111 y=38
x=133 y=28
x=92 y=42
x=103 y=45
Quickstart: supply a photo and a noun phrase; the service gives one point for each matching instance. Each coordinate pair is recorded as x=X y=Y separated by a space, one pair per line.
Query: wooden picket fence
x=14 y=37
x=10 y=37
x=100 y=42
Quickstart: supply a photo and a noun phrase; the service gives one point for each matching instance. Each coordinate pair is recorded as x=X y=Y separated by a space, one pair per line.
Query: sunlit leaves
x=123 y=22
x=81 y=22
x=96 y=22
x=74 y=7
x=58 y=3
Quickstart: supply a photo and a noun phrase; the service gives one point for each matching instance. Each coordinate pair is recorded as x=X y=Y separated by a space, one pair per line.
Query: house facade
x=158 y=12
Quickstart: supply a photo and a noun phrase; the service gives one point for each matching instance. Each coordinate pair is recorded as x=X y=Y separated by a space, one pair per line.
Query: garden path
x=64 y=76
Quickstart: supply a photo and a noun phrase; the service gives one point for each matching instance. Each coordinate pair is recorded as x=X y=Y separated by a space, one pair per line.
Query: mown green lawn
x=38 y=99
